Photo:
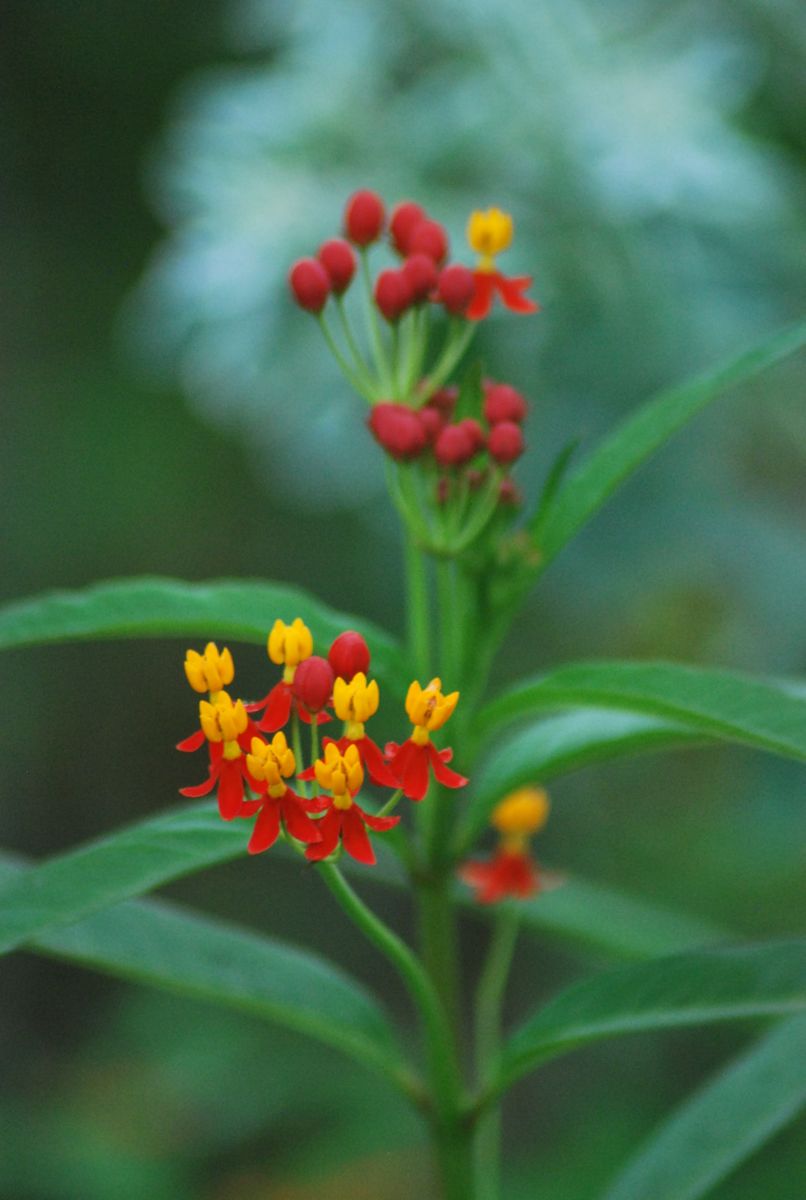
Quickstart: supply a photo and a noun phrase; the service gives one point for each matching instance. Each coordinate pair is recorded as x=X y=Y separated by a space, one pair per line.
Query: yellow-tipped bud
x=489 y=233
x=340 y=774
x=272 y=761
x=211 y=671
x=224 y=720
x=355 y=702
x=428 y=707
x=289 y=645
x=521 y=813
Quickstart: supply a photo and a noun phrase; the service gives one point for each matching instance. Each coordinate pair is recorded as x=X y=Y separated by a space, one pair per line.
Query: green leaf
x=153 y=852
x=723 y=1124
x=126 y=863
x=555 y=746
x=644 y=432
x=243 y=610
x=163 y=945
x=765 y=714
x=720 y=984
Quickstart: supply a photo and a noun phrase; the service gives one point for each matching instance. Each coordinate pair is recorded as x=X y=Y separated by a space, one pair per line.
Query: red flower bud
x=338 y=259
x=432 y=422
x=363 y=217
x=313 y=683
x=455 y=289
x=393 y=294
x=475 y=432
x=503 y=403
x=310 y=284
x=505 y=442
x=348 y=655
x=398 y=429
x=428 y=237
x=509 y=493
x=421 y=272
x=405 y=217
x=445 y=400
x=454 y=446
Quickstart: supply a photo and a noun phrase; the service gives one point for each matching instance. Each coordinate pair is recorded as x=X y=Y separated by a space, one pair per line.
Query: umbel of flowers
x=453 y=447
x=268 y=779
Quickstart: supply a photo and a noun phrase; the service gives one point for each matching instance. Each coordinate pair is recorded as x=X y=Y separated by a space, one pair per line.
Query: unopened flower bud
x=313 y=683
x=404 y=218
x=432 y=422
x=454 y=446
x=475 y=433
x=393 y=294
x=348 y=655
x=429 y=237
x=421 y=273
x=338 y=259
x=509 y=494
x=310 y=284
x=363 y=217
x=398 y=429
x=455 y=289
x=444 y=399
x=505 y=442
x=503 y=403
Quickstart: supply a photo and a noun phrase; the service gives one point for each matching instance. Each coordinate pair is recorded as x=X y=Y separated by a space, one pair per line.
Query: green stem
x=376 y=337
x=489 y=997
x=417 y=609
x=459 y=338
x=449 y=620
x=391 y=804
x=361 y=366
x=355 y=380
x=443 y=1068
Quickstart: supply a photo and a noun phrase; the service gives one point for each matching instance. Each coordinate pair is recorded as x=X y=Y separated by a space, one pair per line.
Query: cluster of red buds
x=250 y=773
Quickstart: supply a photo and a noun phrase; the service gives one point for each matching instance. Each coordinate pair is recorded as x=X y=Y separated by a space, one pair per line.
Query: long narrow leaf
x=720 y=984
x=766 y=714
x=135 y=860
x=723 y=1124
x=243 y=610
x=554 y=746
x=163 y=945
x=644 y=432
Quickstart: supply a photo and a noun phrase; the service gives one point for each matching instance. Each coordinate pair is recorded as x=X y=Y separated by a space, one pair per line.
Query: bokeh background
x=165 y=410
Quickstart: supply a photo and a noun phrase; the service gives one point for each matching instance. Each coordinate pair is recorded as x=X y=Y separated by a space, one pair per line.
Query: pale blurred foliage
x=662 y=236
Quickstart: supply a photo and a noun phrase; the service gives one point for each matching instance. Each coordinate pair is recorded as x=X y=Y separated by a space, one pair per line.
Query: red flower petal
x=372 y=759
x=230 y=789
x=278 y=708
x=444 y=774
x=191 y=743
x=267 y=828
x=200 y=789
x=354 y=836
x=511 y=293
x=482 y=299
x=297 y=821
x=410 y=764
x=379 y=824
x=329 y=829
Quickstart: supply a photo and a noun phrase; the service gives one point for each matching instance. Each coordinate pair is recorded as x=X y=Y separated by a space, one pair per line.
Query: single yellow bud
x=211 y=671
x=355 y=702
x=340 y=774
x=224 y=720
x=489 y=233
x=271 y=761
x=428 y=707
x=521 y=813
x=289 y=645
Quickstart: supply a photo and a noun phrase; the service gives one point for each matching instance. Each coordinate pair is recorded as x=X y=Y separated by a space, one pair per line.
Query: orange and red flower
x=354 y=702
x=489 y=233
x=269 y=765
x=288 y=646
x=414 y=761
x=228 y=730
x=511 y=871
x=344 y=821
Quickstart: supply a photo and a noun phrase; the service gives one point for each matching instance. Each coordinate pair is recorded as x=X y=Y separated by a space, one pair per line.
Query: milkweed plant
x=453 y=808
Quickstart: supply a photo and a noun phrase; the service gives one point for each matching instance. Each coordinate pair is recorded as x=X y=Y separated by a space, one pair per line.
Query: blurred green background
x=166 y=411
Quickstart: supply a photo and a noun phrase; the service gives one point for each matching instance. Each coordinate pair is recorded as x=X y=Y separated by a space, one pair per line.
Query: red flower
x=228 y=732
x=288 y=646
x=354 y=702
x=411 y=762
x=348 y=825
x=507 y=873
x=269 y=764
x=510 y=292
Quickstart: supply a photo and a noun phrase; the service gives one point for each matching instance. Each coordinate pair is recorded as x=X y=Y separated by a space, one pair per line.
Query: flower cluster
x=252 y=775
x=511 y=871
